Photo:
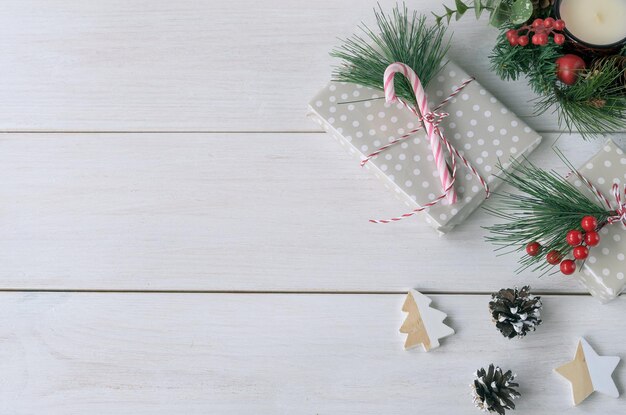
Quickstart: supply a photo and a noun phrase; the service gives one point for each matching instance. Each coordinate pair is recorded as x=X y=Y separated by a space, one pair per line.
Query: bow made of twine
x=430 y=120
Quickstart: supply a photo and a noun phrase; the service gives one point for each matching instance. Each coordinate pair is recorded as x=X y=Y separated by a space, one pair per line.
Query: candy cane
x=429 y=123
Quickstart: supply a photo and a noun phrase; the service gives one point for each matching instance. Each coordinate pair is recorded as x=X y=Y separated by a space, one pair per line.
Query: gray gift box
x=603 y=272
x=478 y=125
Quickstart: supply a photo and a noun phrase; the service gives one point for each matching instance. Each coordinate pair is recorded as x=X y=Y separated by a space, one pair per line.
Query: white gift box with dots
x=603 y=273
x=479 y=126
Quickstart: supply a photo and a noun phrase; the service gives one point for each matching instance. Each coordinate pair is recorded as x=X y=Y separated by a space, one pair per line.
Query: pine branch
x=596 y=103
x=400 y=37
x=537 y=63
x=548 y=207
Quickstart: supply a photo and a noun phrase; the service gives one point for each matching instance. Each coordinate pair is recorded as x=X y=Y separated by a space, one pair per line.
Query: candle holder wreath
x=572 y=52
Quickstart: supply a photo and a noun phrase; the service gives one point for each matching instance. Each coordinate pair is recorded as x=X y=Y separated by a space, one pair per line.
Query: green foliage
x=548 y=207
x=401 y=37
x=500 y=11
x=596 y=103
x=511 y=12
x=536 y=62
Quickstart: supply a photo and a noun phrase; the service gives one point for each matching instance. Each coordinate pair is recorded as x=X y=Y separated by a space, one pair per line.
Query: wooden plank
x=79 y=353
x=158 y=65
x=228 y=212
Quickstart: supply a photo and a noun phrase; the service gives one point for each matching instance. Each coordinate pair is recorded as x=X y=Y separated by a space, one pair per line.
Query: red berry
x=537 y=23
x=522 y=40
x=535 y=39
x=567 y=68
x=511 y=33
x=568 y=267
x=581 y=252
x=513 y=41
x=559 y=25
x=592 y=238
x=548 y=23
x=553 y=257
x=589 y=223
x=543 y=39
x=574 y=237
x=533 y=248
x=559 y=39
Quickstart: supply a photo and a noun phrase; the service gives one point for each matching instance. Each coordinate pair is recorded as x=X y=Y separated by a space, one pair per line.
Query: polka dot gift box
x=604 y=271
x=477 y=125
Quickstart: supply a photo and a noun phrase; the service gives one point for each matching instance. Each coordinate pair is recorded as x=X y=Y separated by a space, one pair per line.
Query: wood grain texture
x=189 y=65
x=79 y=353
x=229 y=212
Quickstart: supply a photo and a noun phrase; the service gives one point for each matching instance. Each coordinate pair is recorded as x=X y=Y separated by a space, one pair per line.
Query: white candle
x=596 y=22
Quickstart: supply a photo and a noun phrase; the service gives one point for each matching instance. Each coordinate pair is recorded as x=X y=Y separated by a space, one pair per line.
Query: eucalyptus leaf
x=500 y=14
x=491 y=4
x=449 y=13
x=437 y=18
x=461 y=8
x=478 y=8
x=521 y=11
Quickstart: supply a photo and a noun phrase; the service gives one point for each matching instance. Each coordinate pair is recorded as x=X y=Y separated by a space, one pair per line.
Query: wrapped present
x=475 y=123
x=604 y=270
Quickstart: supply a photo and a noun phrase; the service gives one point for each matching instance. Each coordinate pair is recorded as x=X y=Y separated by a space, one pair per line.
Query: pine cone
x=515 y=312
x=542 y=4
x=494 y=391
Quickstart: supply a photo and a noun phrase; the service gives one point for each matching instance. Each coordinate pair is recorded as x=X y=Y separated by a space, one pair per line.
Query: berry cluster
x=581 y=241
x=541 y=29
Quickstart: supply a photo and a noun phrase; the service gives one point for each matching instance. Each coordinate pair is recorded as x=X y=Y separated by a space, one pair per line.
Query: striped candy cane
x=431 y=120
x=427 y=118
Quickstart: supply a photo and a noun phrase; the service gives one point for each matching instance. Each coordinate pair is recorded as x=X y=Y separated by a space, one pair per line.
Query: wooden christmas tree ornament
x=589 y=372
x=423 y=325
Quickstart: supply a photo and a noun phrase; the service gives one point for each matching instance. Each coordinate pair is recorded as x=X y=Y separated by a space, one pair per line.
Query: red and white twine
x=619 y=209
x=431 y=121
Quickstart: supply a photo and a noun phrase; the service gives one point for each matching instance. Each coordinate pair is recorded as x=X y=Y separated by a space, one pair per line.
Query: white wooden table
x=177 y=238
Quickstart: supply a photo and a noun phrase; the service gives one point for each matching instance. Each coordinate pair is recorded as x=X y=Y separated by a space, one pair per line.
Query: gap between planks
x=562 y=132
x=284 y=292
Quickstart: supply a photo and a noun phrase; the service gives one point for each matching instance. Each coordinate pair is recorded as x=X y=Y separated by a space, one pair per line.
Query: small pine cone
x=597 y=102
x=494 y=391
x=515 y=312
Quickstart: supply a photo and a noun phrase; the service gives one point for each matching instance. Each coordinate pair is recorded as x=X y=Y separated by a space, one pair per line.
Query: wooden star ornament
x=589 y=372
x=423 y=325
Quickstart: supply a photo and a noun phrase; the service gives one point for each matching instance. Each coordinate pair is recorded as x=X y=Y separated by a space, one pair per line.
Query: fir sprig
x=546 y=209
x=401 y=37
